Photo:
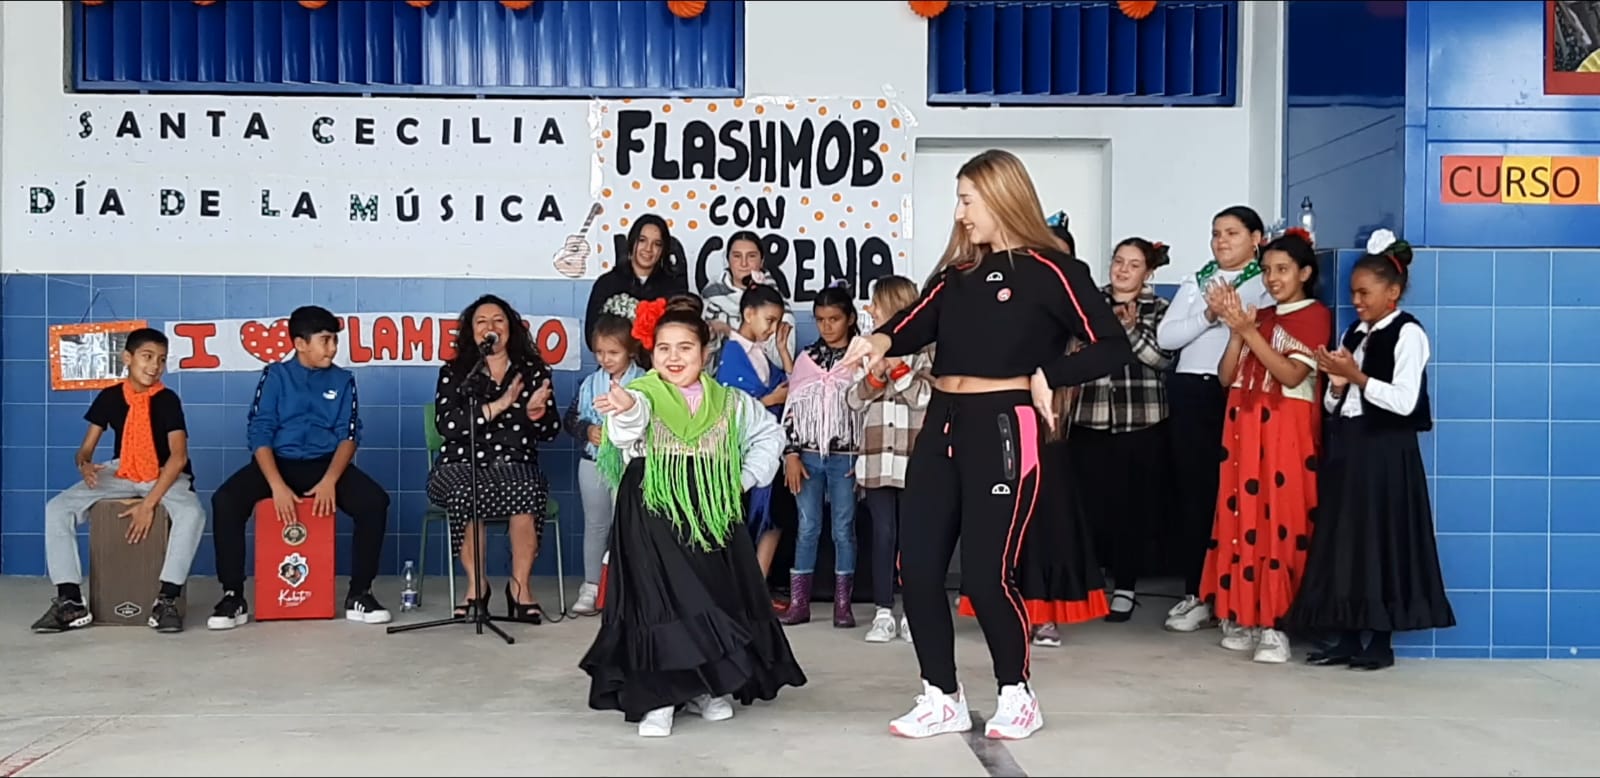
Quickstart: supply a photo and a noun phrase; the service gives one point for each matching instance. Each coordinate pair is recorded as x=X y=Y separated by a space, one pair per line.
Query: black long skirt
x=1059 y=571
x=1373 y=562
x=680 y=622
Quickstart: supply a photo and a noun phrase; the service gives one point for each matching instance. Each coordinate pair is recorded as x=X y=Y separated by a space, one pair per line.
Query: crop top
x=1016 y=312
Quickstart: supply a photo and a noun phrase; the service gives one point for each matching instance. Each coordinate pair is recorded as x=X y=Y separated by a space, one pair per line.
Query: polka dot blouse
x=509 y=437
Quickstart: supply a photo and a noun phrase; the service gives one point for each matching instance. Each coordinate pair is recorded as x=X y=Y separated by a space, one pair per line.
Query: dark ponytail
x=689 y=311
x=838 y=295
x=1156 y=254
x=1298 y=246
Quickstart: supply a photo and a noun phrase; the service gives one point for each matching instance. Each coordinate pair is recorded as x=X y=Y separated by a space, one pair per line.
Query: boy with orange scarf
x=150 y=461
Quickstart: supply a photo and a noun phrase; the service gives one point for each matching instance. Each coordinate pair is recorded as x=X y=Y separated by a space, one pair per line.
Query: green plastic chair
x=434 y=512
x=437 y=513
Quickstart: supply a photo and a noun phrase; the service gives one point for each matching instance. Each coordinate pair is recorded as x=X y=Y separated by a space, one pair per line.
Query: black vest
x=1378 y=362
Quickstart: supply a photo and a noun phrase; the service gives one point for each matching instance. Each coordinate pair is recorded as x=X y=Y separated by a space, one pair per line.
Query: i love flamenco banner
x=368 y=340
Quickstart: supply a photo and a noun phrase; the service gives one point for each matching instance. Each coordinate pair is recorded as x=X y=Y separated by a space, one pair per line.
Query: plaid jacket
x=1134 y=397
x=891 y=418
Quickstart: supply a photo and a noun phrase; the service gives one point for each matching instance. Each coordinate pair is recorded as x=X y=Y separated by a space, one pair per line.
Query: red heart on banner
x=268 y=344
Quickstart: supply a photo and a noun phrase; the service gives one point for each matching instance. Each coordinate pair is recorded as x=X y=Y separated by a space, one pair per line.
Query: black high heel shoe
x=531 y=613
x=467 y=609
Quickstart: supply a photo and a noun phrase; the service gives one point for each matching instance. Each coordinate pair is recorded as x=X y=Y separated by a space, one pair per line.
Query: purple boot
x=844 y=588
x=799 y=611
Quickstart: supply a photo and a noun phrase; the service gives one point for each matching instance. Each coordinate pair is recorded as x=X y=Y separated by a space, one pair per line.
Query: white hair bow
x=1380 y=242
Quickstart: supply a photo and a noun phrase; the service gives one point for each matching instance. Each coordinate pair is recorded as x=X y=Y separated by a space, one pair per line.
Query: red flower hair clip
x=1299 y=231
x=645 y=316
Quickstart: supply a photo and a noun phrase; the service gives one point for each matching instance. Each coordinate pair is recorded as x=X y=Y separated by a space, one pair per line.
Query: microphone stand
x=478 y=614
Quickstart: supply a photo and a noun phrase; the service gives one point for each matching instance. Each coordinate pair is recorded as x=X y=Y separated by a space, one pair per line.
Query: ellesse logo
x=1000 y=490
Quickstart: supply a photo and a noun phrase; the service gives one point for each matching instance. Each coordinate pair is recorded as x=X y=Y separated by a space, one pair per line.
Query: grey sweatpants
x=68 y=510
x=598 y=506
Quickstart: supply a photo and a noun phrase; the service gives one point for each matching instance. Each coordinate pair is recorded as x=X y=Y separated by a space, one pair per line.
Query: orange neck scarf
x=139 y=461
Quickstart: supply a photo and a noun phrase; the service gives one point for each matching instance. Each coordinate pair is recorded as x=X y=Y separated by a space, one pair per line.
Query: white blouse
x=1399 y=395
x=1200 y=342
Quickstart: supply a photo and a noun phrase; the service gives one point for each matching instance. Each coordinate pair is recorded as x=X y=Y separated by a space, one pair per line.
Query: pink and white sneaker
x=1016 y=716
x=936 y=713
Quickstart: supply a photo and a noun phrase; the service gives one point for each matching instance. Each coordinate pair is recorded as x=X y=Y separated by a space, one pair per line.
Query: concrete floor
x=287 y=698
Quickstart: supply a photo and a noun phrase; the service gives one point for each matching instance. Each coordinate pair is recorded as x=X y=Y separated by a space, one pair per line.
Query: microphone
x=487 y=346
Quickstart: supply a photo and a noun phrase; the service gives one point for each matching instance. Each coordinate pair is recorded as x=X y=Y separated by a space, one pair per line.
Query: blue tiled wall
x=1512 y=460
x=40 y=428
x=1475 y=86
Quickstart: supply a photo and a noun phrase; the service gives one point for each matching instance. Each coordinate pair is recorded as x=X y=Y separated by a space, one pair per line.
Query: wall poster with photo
x=89 y=355
x=1572 y=47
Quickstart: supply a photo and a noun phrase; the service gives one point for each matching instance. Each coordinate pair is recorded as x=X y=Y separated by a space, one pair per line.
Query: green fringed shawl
x=693 y=462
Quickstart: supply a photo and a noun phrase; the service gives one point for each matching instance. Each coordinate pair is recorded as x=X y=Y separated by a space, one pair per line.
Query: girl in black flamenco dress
x=687 y=621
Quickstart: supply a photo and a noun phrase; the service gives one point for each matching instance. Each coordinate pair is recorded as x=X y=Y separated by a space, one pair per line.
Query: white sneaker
x=711 y=708
x=1188 y=615
x=1274 y=647
x=935 y=713
x=1237 y=638
x=587 y=593
x=883 y=627
x=366 y=609
x=905 y=629
x=656 y=723
x=1016 y=715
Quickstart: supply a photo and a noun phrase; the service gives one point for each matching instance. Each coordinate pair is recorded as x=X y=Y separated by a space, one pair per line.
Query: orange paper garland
x=419 y=3
x=1136 y=9
x=686 y=9
x=928 y=9
x=313 y=4
x=517 y=5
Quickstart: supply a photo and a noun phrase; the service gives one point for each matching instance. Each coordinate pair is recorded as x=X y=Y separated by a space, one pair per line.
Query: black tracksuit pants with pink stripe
x=973 y=476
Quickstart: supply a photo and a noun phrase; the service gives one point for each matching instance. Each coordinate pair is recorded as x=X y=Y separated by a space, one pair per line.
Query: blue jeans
x=832 y=477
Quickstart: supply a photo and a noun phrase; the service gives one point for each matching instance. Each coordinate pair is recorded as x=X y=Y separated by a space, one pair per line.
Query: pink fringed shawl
x=817 y=409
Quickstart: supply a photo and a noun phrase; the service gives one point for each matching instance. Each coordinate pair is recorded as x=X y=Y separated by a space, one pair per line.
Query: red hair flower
x=1301 y=232
x=645 y=317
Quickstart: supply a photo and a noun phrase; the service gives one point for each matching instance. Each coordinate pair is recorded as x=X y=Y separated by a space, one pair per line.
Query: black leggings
x=883 y=505
x=973 y=477
x=1196 y=407
x=356 y=494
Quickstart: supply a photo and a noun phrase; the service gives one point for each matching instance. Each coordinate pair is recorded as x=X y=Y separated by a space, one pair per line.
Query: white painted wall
x=1166 y=170
x=1159 y=173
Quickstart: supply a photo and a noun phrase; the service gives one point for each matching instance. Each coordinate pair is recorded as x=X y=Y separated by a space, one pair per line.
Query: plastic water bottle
x=408 y=595
x=1308 y=219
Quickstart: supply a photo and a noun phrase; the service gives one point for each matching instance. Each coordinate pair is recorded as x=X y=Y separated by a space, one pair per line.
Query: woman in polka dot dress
x=516 y=411
x=1268 y=482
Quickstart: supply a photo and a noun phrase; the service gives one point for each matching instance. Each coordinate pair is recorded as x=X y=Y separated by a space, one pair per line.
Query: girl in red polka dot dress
x=1268 y=488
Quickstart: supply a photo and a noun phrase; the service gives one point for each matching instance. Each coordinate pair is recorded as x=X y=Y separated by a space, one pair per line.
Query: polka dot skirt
x=504 y=489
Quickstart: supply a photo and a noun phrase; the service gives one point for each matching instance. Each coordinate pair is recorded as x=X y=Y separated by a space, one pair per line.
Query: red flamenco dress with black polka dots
x=1268 y=493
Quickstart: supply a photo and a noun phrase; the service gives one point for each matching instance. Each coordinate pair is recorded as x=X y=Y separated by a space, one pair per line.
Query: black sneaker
x=62 y=616
x=366 y=609
x=232 y=611
x=164 y=616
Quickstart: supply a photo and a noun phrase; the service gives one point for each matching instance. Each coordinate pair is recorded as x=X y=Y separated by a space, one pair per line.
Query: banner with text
x=824 y=182
x=286 y=186
x=1519 y=180
x=368 y=340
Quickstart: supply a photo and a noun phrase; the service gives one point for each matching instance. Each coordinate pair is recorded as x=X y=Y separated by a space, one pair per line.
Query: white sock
x=1122 y=601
